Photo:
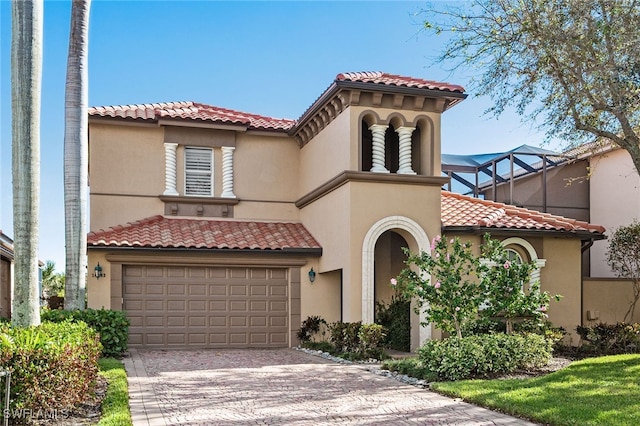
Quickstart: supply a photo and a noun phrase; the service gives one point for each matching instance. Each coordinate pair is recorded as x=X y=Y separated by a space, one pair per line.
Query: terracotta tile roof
x=397 y=80
x=165 y=232
x=192 y=111
x=463 y=211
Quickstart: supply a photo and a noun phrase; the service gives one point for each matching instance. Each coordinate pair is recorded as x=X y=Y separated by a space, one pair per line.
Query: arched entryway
x=391 y=231
x=393 y=309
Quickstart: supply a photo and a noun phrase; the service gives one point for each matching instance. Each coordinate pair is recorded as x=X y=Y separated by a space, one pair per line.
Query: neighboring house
x=6 y=275
x=595 y=182
x=218 y=228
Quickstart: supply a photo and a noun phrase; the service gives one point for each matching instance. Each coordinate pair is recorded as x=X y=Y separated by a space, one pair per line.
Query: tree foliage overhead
x=572 y=65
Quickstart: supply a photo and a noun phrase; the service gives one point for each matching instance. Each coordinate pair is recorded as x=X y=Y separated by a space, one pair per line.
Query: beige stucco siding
x=615 y=201
x=126 y=174
x=327 y=154
x=328 y=221
x=608 y=299
x=111 y=210
x=562 y=275
x=266 y=168
x=126 y=160
x=98 y=289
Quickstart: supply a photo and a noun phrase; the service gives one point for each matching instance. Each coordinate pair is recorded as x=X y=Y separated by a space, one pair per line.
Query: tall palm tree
x=26 y=79
x=76 y=156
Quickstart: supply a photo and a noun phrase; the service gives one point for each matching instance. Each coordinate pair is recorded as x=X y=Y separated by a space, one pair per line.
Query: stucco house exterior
x=595 y=182
x=219 y=228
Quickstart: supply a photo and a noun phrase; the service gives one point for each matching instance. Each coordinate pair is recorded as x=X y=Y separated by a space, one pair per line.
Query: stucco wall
x=608 y=300
x=266 y=170
x=615 y=201
x=126 y=174
x=326 y=155
x=562 y=275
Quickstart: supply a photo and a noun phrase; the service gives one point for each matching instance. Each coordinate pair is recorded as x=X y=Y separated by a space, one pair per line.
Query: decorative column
x=227 y=172
x=170 y=169
x=404 y=135
x=378 y=132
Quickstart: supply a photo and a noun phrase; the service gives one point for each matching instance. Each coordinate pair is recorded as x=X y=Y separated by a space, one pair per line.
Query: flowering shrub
x=503 y=283
x=446 y=284
x=452 y=283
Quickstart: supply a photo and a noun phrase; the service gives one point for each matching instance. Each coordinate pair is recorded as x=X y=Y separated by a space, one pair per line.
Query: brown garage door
x=187 y=306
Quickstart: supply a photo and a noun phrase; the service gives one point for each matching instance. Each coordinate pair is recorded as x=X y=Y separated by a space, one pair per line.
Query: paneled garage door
x=217 y=307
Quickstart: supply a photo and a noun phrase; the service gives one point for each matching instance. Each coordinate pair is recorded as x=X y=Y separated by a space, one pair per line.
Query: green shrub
x=412 y=367
x=320 y=346
x=53 y=366
x=611 y=339
x=370 y=339
x=311 y=328
x=344 y=336
x=396 y=319
x=485 y=355
x=112 y=326
x=355 y=341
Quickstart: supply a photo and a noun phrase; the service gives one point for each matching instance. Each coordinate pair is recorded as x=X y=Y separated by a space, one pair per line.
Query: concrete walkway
x=281 y=387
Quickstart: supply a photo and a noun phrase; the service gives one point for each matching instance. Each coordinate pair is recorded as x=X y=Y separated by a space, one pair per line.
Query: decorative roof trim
x=345 y=91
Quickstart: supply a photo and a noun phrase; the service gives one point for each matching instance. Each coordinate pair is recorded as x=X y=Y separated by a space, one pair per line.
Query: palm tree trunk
x=26 y=79
x=76 y=157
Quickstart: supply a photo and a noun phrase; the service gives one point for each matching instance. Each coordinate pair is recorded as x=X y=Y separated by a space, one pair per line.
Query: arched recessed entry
x=416 y=239
x=390 y=260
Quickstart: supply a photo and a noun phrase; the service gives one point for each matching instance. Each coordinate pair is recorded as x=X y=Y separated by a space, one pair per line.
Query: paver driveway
x=281 y=387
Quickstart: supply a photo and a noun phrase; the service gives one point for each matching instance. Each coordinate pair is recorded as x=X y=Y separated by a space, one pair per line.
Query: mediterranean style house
x=594 y=182
x=218 y=228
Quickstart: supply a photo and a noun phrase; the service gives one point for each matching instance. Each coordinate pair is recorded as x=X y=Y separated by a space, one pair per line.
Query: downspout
x=586 y=245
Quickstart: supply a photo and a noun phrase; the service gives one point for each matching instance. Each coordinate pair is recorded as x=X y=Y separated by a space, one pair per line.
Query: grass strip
x=115 y=406
x=594 y=391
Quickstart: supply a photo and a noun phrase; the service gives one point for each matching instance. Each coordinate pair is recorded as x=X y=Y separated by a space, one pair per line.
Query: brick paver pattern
x=288 y=387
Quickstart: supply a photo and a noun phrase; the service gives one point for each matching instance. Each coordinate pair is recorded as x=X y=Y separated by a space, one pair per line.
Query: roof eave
x=284 y=251
x=481 y=230
x=454 y=96
x=337 y=85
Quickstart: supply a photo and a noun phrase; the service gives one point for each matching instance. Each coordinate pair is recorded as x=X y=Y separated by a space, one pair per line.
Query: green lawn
x=594 y=391
x=115 y=406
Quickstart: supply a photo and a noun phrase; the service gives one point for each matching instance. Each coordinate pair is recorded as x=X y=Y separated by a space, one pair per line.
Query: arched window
x=513 y=255
x=520 y=247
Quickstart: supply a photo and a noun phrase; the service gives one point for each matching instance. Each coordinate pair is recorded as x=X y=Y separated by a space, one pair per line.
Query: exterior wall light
x=97 y=272
x=312 y=275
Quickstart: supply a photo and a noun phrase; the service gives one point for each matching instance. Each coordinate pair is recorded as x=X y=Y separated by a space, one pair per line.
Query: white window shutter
x=198 y=166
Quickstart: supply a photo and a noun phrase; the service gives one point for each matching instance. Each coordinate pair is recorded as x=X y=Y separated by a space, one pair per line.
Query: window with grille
x=198 y=170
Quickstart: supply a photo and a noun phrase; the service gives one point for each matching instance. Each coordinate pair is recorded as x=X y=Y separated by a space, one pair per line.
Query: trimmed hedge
x=485 y=355
x=112 y=326
x=53 y=366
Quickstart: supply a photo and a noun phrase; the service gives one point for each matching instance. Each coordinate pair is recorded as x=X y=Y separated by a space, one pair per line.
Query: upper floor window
x=198 y=170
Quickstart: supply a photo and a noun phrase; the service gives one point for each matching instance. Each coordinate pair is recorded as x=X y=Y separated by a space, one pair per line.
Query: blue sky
x=270 y=58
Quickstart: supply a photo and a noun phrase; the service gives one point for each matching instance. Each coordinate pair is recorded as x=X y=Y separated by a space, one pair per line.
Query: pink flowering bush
x=450 y=284
x=509 y=292
x=445 y=283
